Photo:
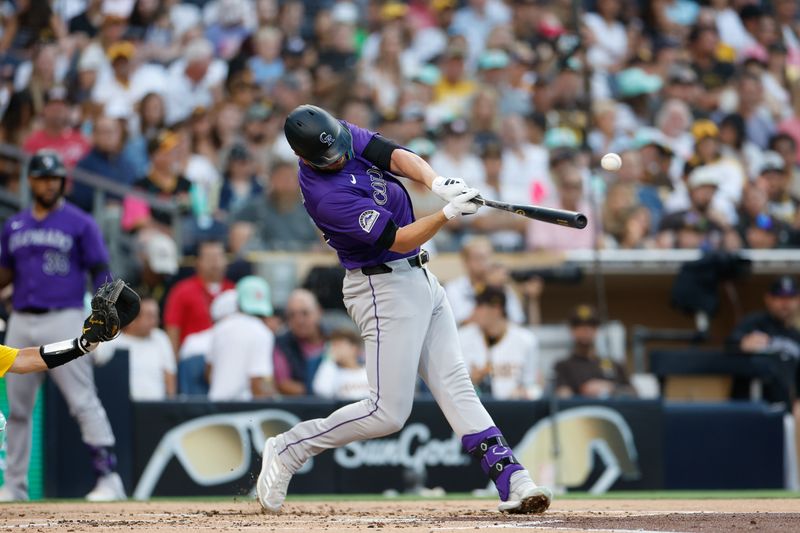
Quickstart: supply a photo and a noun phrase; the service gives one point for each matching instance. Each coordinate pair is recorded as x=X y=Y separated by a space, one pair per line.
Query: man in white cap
x=239 y=361
x=159 y=257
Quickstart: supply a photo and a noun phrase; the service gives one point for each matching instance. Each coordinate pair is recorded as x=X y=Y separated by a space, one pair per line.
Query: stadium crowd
x=520 y=98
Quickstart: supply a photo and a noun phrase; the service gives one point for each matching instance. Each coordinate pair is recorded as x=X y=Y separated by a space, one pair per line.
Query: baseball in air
x=611 y=162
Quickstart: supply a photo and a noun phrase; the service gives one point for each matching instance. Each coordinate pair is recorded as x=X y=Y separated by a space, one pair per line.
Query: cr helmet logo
x=326 y=138
x=367 y=219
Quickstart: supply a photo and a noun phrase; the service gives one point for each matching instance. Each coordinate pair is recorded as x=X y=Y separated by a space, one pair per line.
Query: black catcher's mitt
x=114 y=306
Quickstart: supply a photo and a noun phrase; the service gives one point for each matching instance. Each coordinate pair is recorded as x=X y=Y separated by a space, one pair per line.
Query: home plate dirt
x=407 y=516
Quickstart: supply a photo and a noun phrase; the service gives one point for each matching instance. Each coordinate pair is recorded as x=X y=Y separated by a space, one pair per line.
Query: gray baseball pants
x=75 y=381
x=408 y=329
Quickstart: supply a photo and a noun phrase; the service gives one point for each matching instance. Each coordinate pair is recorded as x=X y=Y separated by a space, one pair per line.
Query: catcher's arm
x=114 y=306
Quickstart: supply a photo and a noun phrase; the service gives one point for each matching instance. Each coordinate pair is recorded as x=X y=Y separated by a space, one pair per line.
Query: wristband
x=450 y=211
x=59 y=353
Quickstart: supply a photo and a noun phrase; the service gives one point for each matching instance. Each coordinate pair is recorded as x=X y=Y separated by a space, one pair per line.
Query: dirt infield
x=407 y=516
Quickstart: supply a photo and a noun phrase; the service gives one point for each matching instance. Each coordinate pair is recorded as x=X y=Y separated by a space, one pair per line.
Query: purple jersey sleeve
x=93 y=254
x=360 y=137
x=6 y=258
x=353 y=215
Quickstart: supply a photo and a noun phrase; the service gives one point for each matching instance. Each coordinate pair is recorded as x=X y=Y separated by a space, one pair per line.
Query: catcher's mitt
x=114 y=306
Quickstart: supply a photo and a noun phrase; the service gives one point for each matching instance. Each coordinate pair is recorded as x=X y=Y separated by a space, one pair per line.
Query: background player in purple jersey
x=47 y=251
x=346 y=176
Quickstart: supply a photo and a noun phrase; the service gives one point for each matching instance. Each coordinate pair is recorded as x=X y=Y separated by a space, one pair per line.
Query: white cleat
x=273 y=481
x=7 y=495
x=109 y=488
x=525 y=497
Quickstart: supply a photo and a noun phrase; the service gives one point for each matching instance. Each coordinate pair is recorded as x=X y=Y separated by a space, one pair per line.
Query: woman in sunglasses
x=347 y=176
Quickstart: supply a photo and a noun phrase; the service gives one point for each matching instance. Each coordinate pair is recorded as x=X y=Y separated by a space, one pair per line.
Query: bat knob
x=580 y=220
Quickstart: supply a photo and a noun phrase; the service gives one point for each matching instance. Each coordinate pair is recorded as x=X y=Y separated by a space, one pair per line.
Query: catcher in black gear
x=114 y=306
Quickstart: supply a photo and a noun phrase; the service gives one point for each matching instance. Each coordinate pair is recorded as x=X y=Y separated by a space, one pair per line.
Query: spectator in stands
x=341 y=374
x=56 y=133
x=699 y=226
x=774 y=330
x=785 y=145
x=584 y=372
x=188 y=303
x=773 y=177
x=159 y=260
x=713 y=69
x=239 y=360
x=299 y=351
x=266 y=65
x=105 y=160
x=758 y=229
x=525 y=173
x=150 y=355
x=454 y=89
x=193 y=81
x=570 y=196
x=32 y=22
x=119 y=89
x=241 y=185
x=505 y=230
x=164 y=180
x=476 y=257
x=502 y=357
x=455 y=158
x=759 y=123
x=277 y=220
x=149 y=121
x=734 y=144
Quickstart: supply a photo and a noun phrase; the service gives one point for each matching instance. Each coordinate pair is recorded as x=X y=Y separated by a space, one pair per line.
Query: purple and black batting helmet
x=317 y=137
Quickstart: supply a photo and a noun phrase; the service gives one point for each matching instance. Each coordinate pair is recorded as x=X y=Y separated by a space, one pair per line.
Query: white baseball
x=611 y=162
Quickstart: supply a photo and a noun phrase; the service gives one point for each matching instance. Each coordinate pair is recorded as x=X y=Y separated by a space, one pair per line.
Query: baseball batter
x=47 y=251
x=346 y=176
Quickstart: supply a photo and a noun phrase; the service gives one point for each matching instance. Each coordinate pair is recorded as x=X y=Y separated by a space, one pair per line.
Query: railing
x=108 y=220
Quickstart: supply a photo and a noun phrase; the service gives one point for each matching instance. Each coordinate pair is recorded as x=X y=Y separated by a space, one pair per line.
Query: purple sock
x=497 y=459
x=104 y=461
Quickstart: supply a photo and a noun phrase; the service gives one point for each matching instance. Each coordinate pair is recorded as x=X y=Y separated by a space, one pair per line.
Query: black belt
x=417 y=261
x=35 y=310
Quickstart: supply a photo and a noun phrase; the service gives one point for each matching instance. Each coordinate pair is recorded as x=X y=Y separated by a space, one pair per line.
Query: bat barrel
x=561 y=217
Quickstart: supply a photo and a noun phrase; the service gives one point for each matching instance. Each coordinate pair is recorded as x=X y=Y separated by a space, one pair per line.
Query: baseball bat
x=562 y=217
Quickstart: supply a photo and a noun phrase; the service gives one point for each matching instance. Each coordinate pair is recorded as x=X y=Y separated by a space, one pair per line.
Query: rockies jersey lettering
x=51 y=257
x=353 y=206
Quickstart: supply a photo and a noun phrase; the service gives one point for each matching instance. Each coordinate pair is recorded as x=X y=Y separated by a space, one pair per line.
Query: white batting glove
x=448 y=188
x=462 y=204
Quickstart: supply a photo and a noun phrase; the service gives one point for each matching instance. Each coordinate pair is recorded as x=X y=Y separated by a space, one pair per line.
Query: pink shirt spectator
x=541 y=236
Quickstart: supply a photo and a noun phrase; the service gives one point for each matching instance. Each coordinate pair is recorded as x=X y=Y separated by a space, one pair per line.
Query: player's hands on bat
x=114 y=306
x=462 y=204
x=448 y=188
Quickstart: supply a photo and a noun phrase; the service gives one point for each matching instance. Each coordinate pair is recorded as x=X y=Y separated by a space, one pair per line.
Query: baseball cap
x=57 y=93
x=165 y=140
x=162 y=254
x=493 y=59
x=254 y=296
x=456 y=126
x=784 y=286
x=491 y=296
x=121 y=49
x=239 y=152
x=635 y=82
x=344 y=13
x=704 y=175
x=584 y=314
x=704 y=128
x=422 y=147
x=225 y=304
x=772 y=161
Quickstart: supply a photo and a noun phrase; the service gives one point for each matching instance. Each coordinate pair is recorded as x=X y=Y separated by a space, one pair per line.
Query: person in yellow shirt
x=114 y=306
x=20 y=361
